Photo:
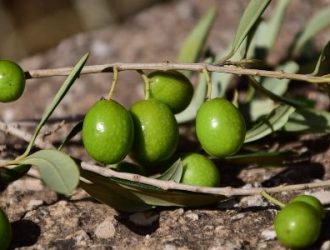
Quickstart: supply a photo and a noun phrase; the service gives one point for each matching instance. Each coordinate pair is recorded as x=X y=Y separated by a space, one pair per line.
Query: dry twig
x=200 y=67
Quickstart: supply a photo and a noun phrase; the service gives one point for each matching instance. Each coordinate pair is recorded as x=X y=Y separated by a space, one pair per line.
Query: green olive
x=156 y=131
x=297 y=225
x=312 y=201
x=107 y=132
x=5 y=231
x=12 y=81
x=172 y=88
x=220 y=127
x=200 y=171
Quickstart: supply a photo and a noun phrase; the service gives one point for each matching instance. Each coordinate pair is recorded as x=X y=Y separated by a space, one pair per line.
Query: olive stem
x=113 y=83
x=272 y=199
x=146 y=84
x=167 y=185
x=220 y=68
x=209 y=83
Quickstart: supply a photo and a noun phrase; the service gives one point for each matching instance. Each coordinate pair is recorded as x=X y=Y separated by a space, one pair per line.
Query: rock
x=268 y=234
x=106 y=229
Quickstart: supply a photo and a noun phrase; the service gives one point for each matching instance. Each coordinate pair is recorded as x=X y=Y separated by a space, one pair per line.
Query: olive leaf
x=252 y=13
x=73 y=132
x=198 y=98
x=195 y=42
x=273 y=122
x=151 y=195
x=324 y=58
x=280 y=86
x=317 y=23
x=260 y=158
x=109 y=192
x=57 y=99
x=174 y=173
x=274 y=97
x=9 y=175
x=58 y=170
x=267 y=31
x=311 y=120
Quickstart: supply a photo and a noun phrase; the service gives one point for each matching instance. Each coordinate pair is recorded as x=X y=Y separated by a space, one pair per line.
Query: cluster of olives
x=298 y=224
x=5 y=231
x=150 y=134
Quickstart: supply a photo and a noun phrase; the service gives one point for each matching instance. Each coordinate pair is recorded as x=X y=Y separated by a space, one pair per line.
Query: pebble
x=325 y=245
x=192 y=216
x=268 y=234
x=34 y=204
x=106 y=229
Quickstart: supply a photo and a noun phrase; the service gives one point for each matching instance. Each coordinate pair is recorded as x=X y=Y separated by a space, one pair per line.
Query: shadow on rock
x=295 y=174
x=25 y=233
x=142 y=223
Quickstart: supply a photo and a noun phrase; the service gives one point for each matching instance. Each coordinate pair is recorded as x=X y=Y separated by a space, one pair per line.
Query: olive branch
x=164 y=185
x=199 y=67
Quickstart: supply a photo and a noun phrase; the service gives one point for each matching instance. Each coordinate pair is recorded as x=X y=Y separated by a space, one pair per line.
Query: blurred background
x=25 y=25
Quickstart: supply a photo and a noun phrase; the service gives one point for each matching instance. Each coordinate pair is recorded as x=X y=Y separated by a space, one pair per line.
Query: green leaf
x=273 y=122
x=324 y=58
x=199 y=96
x=308 y=120
x=151 y=195
x=221 y=81
x=57 y=99
x=267 y=31
x=252 y=13
x=274 y=97
x=73 y=132
x=280 y=86
x=58 y=170
x=9 y=175
x=260 y=158
x=174 y=173
x=317 y=23
x=115 y=196
x=195 y=42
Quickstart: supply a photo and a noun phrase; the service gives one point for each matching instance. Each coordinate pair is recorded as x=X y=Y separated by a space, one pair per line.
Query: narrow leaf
x=58 y=170
x=280 y=86
x=259 y=158
x=57 y=99
x=317 y=23
x=199 y=96
x=272 y=96
x=273 y=122
x=73 y=132
x=252 y=13
x=195 y=42
x=308 y=120
x=221 y=81
x=115 y=196
x=174 y=173
x=154 y=196
x=323 y=58
x=267 y=32
x=9 y=175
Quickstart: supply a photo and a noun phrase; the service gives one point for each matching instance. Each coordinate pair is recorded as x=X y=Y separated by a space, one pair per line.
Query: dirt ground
x=42 y=219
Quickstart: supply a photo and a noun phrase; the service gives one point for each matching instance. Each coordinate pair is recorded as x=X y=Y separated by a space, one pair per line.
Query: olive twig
x=272 y=199
x=231 y=69
x=208 y=82
x=168 y=185
x=113 y=83
x=146 y=84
